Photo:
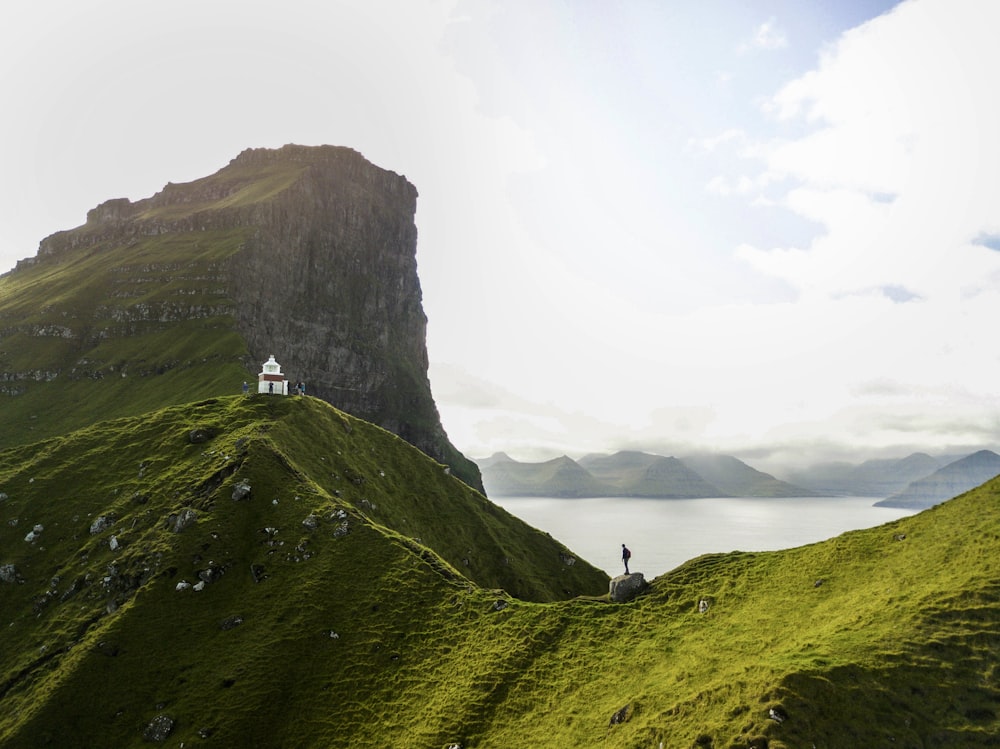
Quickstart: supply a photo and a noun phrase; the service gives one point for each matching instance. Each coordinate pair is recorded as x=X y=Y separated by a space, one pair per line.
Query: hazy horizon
x=785 y=471
x=764 y=229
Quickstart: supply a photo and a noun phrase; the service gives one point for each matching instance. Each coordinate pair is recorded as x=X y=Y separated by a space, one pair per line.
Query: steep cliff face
x=329 y=278
x=307 y=253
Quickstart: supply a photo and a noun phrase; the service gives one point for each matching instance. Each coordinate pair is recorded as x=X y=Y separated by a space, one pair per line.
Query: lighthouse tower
x=270 y=380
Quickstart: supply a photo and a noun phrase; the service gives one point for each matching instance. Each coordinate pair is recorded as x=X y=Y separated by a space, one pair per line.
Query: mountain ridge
x=878 y=477
x=324 y=594
x=631 y=473
x=304 y=252
x=948 y=481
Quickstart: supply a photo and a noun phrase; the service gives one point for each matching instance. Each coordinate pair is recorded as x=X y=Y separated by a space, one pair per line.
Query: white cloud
x=713 y=143
x=900 y=166
x=894 y=158
x=767 y=36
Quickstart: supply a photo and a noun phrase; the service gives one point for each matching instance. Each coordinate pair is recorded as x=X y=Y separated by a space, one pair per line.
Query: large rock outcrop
x=624 y=588
x=308 y=253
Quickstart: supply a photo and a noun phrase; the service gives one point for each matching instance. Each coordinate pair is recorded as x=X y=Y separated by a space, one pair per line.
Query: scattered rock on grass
x=159 y=728
x=777 y=714
x=181 y=520
x=101 y=524
x=200 y=435
x=230 y=622
x=241 y=491
x=621 y=716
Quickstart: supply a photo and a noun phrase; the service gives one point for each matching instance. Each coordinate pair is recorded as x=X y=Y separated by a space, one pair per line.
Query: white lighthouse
x=271 y=380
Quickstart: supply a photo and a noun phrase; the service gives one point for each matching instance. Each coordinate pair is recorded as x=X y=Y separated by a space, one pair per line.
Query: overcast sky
x=766 y=228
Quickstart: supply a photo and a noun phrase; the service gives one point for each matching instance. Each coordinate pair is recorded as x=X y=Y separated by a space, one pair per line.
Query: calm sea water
x=664 y=533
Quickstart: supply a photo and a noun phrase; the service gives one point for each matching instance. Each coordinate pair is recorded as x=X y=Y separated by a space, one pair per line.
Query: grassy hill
x=351 y=597
x=304 y=253
x=119 y=330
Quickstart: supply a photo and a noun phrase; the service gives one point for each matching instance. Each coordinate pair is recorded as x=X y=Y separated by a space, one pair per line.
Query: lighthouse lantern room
x=271 y=380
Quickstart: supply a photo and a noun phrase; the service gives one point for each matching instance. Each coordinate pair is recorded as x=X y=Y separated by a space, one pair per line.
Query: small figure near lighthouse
x=271 y=380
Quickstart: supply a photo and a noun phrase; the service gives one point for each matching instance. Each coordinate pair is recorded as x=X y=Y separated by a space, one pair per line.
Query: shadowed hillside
x=270 y=572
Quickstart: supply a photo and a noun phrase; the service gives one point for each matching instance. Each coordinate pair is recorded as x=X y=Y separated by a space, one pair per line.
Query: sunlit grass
x=393 y=630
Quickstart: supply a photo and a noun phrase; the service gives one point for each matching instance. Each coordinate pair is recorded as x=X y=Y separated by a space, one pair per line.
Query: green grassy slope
x=303 y=252
x=358 y=634
x=118 y=330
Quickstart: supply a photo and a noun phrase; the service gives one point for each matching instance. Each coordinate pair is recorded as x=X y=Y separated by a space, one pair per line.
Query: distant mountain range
x=632 y=474
x=953 y=479
x=915 y=482
x=873 y=478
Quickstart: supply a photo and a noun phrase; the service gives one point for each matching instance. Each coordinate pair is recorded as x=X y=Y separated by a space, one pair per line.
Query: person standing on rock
x=626 y=555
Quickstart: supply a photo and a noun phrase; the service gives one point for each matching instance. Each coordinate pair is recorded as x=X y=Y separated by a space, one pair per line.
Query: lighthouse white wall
x=270 y=375
x=280 y=387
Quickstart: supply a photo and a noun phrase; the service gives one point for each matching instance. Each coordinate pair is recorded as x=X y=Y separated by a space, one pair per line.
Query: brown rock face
x=329 y=280
x=323 y=276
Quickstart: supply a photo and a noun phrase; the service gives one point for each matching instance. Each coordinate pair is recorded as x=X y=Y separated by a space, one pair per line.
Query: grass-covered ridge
x=353 y=601
x=304 y=253
x=117 y=330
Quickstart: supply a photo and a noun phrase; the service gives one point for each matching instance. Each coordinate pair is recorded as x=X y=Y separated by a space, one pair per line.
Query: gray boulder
x=177 y=522
x=101 y=524
x=626 y=587
x=159 y=728
x=241 y=491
